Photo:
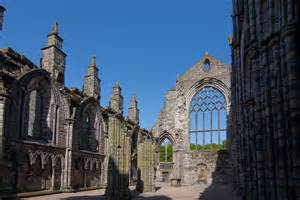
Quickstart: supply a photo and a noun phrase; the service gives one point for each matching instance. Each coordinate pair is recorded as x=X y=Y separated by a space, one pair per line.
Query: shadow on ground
x=218 y=192
x=161 y=197
x=222 y=179
x=135 y=196
x=96 y=197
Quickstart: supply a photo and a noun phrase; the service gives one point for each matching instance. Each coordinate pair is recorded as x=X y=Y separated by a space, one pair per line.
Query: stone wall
x=264 y=117
x=75 y=141
x=173 y=120
x=145 y=164
x=209 y=167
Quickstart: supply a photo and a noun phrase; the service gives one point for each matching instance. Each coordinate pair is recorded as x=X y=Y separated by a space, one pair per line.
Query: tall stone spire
x=91 y=85
x=133 y=111
x=116 y=101
x=53 y=58
x=54 y=38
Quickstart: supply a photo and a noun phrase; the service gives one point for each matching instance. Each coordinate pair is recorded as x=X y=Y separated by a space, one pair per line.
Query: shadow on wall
x=117 y=182
x=221 y=180
x=140 y=182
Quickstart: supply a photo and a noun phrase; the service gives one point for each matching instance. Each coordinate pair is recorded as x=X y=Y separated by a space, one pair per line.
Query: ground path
x=197 y=192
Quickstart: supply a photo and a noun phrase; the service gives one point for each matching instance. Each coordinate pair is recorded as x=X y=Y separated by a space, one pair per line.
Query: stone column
x=4 y=100
x=67 y=170
x=145 y=166
x=117 y=175
x=53 y=175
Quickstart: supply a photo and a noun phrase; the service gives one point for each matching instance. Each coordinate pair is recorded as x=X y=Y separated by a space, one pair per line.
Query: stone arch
x=34 y=180
x=54 y=102
x=47 y=172
x=39 y=80
x=213 y=82
x=207 y=137
x=11 y=88
x=166 y=145
x=58 y=172
x=90 y=109
x=165 y=135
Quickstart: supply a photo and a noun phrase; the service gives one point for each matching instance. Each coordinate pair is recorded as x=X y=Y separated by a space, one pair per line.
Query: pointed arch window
x=166 y=151
x=35 y=114
x=208 y=119
x=86 y=132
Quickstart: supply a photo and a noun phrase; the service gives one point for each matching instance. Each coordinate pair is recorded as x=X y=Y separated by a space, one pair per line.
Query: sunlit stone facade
x=54 y=138
x=175 y=122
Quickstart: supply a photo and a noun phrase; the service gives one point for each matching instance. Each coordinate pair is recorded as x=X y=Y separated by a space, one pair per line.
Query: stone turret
x=116 y=101
x=53 y=58
x=133 y=111
x=91 y=85
x=2 y=10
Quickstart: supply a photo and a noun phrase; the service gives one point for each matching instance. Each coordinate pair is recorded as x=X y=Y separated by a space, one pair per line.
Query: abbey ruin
x=227 y=124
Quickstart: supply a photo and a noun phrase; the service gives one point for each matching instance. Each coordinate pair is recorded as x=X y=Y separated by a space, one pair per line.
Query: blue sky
x=143 y=44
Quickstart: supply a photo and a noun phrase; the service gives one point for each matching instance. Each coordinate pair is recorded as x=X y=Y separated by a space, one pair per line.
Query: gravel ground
x=196 y=192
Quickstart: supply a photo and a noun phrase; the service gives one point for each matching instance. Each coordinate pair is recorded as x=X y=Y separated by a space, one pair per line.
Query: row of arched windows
x=90 y=132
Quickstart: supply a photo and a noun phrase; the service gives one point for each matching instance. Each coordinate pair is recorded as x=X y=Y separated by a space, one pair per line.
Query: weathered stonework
x=145 y=163
x=54 y=138
x=118 y=150
x=264 y=119
x=173 y=120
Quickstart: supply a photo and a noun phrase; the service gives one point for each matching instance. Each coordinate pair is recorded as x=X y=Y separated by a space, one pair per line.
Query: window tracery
x=207 y=118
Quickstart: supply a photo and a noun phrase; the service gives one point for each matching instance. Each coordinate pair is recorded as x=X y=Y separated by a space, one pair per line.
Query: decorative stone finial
x=93 y=62
x=133 y=111
x=133 y=100
x=206 y=53
x=116 y=101
x=55 y=28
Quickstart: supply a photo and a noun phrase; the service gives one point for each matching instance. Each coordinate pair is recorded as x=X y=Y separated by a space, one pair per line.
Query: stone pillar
x=145 y=166
x=8 y=169
x=4 y=100
x=118 y=159
x=105 y=163
x=53 y=175
x=67 y=170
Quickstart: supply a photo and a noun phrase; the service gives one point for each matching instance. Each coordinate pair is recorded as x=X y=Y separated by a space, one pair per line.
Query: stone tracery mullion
x=207 y=101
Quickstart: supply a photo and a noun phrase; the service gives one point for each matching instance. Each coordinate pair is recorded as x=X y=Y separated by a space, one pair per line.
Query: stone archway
x=165 y=157
x=58 y=174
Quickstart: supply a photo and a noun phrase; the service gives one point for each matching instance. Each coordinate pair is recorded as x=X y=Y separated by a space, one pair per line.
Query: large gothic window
x=35 y=114
x=166 y=151
x=208 y=119
x=86 y=134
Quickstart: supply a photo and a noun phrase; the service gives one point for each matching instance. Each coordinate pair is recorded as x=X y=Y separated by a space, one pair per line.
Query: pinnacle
x=93 y=62
x=55 y=28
